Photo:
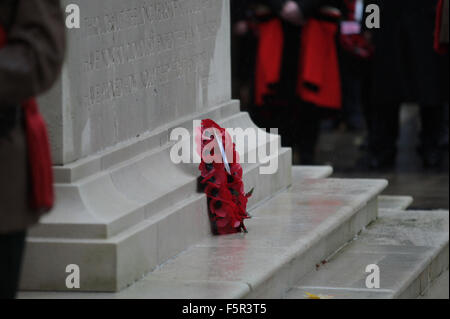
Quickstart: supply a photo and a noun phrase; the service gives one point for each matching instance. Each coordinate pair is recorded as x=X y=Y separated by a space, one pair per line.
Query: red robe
x=268 y=58
x=318 y=75
x=38 y=147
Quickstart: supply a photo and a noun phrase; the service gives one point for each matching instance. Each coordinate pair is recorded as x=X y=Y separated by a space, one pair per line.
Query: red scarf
x=38 y=147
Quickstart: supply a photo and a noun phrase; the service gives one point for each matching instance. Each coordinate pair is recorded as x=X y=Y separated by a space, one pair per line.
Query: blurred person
x=296 y=67
x=355 y=54
x=260 y=20
x=441 y=41
x=243 y=51
x=32 y=44
x=405 y=68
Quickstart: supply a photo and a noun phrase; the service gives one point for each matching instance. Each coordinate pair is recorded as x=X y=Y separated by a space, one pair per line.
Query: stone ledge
x=395 y=203
x=155 y=289
x=145 y=143
x=304 y=172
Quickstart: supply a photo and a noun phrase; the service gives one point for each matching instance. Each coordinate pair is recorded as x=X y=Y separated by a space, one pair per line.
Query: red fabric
x=40 y=161
x=440 y=48
x=319 y=66
x=268 y=60
x=40 y=164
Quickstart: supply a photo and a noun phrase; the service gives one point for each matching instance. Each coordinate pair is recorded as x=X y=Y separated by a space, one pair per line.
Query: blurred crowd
x=299 y=65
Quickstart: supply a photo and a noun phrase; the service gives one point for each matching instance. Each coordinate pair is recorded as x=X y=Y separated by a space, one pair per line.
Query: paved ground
x=430 y=190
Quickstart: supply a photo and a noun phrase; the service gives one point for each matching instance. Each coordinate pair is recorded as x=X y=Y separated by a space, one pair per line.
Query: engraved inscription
x=187 y=39
x=137 y=65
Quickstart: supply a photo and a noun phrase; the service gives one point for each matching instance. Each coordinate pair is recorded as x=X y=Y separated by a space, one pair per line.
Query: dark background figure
x=29 y=64
x=355 y=53
x=380 y=70
x=276 y=29
x=405 y=68
x=342 y=148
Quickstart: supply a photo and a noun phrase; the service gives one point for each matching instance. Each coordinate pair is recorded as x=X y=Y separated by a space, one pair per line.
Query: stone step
x=125 y=257
x=300 y=173
x=395 y=203
x=409 y=247
x=288 y=235
x=439 y=288
x=114 y=208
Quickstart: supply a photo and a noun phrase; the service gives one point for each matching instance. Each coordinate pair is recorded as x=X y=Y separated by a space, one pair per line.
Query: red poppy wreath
x=221 y=180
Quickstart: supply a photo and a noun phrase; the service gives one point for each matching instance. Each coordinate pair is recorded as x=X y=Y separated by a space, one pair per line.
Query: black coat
x=308 y=7
x=405 y=67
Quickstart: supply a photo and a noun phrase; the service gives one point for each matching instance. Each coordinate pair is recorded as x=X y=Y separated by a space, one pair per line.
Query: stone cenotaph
x=135 y=70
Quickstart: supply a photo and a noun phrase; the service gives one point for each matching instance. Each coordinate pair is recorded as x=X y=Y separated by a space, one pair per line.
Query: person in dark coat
x=355 y=53
x=30 y=63
x=405 y=68
x=297 y=44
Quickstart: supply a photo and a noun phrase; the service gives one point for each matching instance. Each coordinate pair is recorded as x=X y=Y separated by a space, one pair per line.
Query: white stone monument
x=135 y=70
